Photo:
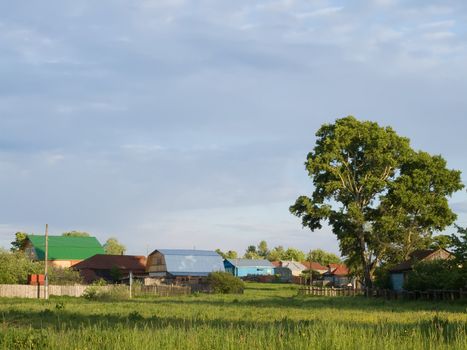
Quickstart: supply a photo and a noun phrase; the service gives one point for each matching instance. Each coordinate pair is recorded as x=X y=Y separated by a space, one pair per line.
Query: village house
x=399 y=273
x=314 y=266
x=288 y=271
x=182 y=265
x=63 y=251
x=249 y=267
x=110 y=268
x=338 y=275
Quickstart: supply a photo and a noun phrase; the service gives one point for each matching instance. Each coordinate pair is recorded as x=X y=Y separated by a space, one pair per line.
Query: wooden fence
x=330 y=292
x=385 y=293
x=161 y=290
x=433 y=294
x=35 y=291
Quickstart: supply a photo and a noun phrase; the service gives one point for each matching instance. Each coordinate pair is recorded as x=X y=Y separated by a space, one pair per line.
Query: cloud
x=186 y=124
x=327 y=11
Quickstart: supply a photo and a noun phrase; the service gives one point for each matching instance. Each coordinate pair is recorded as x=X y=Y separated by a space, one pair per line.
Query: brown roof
x=276 y=263
x=340 y=270
x=337 y=270
x=107 y=262
x=415 y=256
x=313 y=266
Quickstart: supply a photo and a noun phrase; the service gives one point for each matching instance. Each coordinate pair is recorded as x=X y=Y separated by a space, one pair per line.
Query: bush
x=436 y=274
x=382 y=278
x=225 y=283
x=114 y=292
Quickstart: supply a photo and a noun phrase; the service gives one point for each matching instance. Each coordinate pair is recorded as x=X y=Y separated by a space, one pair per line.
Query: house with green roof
x=64 y=251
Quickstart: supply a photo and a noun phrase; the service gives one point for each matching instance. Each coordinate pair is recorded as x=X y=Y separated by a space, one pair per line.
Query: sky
x=181 y=124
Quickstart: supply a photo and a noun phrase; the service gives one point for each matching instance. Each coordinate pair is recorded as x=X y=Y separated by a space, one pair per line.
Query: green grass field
x=267 y=316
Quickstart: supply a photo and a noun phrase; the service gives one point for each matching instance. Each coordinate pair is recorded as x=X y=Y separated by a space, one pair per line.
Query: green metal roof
x=66 y=248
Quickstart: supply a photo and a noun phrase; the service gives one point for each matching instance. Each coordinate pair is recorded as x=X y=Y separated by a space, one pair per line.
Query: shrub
x=436 y=274
x=382 y=277
x=115 y=292
x=225 y=283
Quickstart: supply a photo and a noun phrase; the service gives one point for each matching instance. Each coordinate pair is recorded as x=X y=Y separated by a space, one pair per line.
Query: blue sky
x=186 y=124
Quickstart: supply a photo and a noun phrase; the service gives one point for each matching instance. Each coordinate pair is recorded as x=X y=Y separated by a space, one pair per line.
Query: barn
x=183 y=265
x=64 y=251
x=249 y=267
x=110 y=268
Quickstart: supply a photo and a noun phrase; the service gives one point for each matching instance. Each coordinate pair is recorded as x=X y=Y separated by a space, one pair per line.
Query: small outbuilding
x=110 y=268
x=183 y=265
x=399 y=273
x=249 y=267
x=63 y=251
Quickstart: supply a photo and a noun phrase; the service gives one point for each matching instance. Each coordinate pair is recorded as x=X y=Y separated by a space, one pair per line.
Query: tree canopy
x=76 y=234
x=18 y=243
x=322 y=257
x=231 y=254
x=381 y=197
x=113 y=247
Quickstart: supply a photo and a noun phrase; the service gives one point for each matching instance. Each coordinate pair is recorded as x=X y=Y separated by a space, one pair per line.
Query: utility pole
x=131 y=282
x=46 y=275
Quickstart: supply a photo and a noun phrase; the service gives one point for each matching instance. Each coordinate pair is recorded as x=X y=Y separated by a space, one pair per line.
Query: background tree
x=293 y=254
x=231 y=254
x=18 y=243
x=251 y=253
x=459 y=245
x=221 y=253
x=76 y=234
x=113 y=247
x=263 y=250
x=277 y=253
x=322 y=257
x=375 y=191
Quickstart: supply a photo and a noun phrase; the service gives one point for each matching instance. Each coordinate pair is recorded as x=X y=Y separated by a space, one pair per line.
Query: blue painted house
x=248 y=267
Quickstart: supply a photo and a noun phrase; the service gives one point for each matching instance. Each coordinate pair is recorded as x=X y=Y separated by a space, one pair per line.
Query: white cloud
x=323 y=12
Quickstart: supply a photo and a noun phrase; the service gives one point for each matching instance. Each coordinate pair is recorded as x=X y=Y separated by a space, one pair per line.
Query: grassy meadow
x=267 y=316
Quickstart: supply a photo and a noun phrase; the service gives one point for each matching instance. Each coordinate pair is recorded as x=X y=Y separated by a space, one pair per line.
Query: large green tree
x=378 y=194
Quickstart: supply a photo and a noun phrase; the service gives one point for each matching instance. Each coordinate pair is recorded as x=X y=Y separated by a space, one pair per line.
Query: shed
x=183 y=264
x=110 y=267
x=249 y=267
x=399 y=273
x=64 y=251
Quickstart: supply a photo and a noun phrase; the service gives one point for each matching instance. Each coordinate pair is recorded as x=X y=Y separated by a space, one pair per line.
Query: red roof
x=337 y=270
x=340 y=270
x=107 y=262
x=313 y=266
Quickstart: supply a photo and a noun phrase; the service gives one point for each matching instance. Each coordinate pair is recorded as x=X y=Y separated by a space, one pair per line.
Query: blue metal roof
x=193 y=252
x=250 y=262
x=181 y=262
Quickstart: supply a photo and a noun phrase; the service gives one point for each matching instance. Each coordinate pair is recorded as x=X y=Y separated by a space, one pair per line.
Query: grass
x=267 y=316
